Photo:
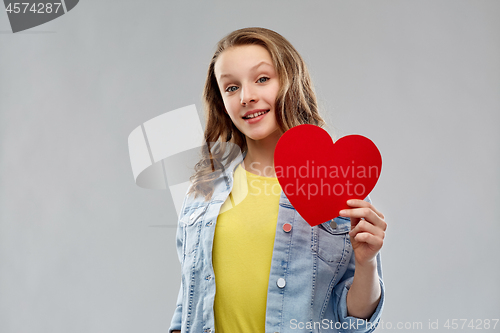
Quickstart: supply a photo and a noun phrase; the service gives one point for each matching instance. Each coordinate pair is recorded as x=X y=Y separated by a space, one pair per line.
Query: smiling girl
x=249 y=261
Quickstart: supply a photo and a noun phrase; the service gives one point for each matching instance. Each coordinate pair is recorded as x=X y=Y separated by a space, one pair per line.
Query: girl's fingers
x=366 y=213
x=364 y=226
x=362 y=203
x=370 y=239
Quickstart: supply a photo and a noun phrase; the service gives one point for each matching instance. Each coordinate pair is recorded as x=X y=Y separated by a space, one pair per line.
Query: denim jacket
x=312 y=269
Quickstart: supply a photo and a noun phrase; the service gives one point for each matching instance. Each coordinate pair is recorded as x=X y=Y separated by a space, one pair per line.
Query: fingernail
x=350 y=202
x=343 y=212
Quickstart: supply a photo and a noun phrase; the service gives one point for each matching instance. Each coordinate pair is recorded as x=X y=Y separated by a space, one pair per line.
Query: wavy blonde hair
x=296 y=104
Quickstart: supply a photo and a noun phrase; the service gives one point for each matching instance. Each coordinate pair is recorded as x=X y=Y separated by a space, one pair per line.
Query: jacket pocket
x=192 y=220
x=332 y=239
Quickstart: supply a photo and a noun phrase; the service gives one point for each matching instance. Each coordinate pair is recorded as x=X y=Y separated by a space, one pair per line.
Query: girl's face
x=249 y=86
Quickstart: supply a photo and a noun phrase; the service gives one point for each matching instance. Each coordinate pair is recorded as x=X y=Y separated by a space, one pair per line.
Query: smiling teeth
x=255 y=114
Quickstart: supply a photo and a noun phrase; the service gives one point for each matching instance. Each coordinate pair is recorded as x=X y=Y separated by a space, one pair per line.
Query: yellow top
x=242 y=253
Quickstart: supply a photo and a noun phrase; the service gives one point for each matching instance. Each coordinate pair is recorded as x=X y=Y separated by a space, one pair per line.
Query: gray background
x=83 y=249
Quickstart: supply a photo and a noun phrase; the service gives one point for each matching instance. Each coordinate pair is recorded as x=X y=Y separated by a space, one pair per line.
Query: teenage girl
x=249 y=262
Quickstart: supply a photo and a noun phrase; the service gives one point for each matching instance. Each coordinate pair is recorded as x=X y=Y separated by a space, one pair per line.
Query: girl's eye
x=263 y=79
x=230 y=89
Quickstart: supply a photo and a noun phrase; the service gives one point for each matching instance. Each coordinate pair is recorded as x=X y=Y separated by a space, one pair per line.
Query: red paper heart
x=318 y=176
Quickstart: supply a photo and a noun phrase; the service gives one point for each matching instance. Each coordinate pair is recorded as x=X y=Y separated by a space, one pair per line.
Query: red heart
x=318 y=176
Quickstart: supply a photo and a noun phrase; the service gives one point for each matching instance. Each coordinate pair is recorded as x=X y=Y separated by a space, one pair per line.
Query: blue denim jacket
x=312 y=269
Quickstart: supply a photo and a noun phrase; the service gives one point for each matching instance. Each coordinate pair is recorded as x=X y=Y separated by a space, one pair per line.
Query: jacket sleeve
x=176 y=322
x=349 y=323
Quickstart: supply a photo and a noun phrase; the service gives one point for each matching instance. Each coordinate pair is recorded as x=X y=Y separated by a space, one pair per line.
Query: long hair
x=296 y=104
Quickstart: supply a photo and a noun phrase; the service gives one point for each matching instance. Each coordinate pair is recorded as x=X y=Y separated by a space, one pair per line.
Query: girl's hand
x=367 y=230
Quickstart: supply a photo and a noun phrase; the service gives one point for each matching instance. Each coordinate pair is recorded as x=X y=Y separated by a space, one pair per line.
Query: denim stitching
x=315 y=266
x=334 y=278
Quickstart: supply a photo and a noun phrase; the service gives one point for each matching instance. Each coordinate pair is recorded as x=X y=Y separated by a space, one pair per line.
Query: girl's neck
x=259 y=159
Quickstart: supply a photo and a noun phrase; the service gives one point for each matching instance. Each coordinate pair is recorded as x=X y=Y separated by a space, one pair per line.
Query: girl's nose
x=248 y=95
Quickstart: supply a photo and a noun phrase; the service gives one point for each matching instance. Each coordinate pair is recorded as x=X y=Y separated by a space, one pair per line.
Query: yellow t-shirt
x=242 y=253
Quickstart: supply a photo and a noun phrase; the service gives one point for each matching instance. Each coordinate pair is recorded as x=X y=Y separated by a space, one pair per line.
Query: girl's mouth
x=255 y=118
